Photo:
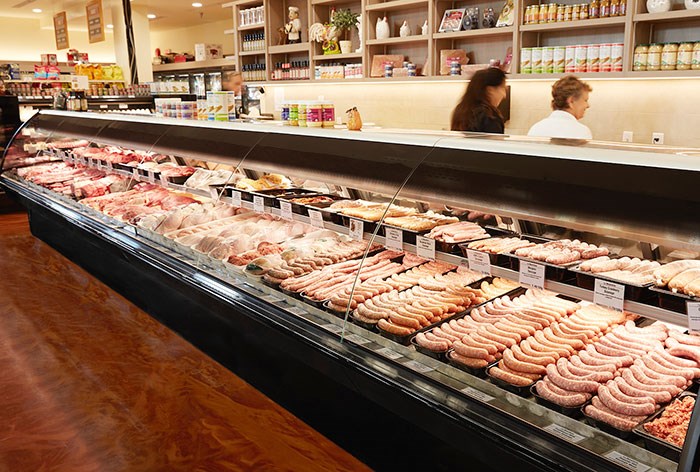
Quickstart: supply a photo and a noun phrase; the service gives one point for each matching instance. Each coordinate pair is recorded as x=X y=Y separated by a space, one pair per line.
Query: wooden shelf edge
x=287 y=48
x=252 y=53
x=673 y=15
x=252 y=27
x=193 y=65
x=503 y=31
x=395 y=5
x=331 y=57
x=385 y=42
x=565 y=25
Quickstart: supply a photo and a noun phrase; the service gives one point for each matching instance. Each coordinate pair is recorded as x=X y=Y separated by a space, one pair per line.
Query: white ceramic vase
x=405 y=30
x=658 y=6
x=345 y=46
x=382 y=30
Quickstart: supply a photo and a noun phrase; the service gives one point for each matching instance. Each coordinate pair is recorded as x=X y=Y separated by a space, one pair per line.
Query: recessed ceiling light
x=36 y=10
x=151 y=16
x=197 y=5
x=110 y=26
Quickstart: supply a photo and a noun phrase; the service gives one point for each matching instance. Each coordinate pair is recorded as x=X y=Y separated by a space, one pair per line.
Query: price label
x=609 y=294
x=394 y=239
x=564 y=433
x=627 y=462
x=123 y=106
x=478 y=394
x=214 y=192
x=236 y=198
x=425 y=247
x=532 y=274
x=316 y=218
x=479 y=261
x=130 y=229
x=259 y=204
x=151 y=177
x=386 y=352
x=164 y=180
x=286 y=211
x=357 y=229
x=103 y=107
x=333 y=328
x=357 y=339
x=418 y=367
x=109 y=166
x=693 y=310
x=135 y=173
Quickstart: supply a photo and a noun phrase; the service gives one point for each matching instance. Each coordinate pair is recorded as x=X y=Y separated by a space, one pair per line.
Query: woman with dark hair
x=478 y=109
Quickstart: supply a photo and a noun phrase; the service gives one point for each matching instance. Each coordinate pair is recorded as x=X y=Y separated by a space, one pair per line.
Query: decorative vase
x=658 y=6
x=330 y=47
x=424 y=28
x=405 y=30
x=345 y=46
x=692 y=4
x=382 y=30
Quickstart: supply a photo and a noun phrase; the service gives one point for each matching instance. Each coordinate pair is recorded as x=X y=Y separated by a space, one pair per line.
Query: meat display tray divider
x=523 y=391
x=633 y=292
x=658 y=445
x=178 y=179
x=672 y=301
x=618 y=433
x=570 y=411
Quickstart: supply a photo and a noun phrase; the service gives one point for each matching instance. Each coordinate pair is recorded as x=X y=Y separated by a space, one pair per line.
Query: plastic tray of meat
x=619 y=433
x=571 y=411
x=523 y=391
x=633 y=292
x=327 y=213
x=658 y=445
x=289 y=292
x=455 y=248
x=672 y=301
x=441 y=356
x=302 y=207
x=270 y=197
x=408 y=236
x=555 y=272
x=178 y=179
x=312 y=301
x=499 y=259
x=458 y=365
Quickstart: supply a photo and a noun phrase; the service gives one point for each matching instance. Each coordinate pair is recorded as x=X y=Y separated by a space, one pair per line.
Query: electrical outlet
x=657 y=138
x=627 y=136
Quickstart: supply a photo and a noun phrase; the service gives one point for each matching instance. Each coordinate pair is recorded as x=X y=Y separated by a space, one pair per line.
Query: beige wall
x=184 y=39
x=640 y=106
x=24 y=40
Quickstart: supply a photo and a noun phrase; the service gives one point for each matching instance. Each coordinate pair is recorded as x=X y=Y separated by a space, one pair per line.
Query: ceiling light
x=36 y=10
x=197 y=5
x=151 y=16
x=110 y=26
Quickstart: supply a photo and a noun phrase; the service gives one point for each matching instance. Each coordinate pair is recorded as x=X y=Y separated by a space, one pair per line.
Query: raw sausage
x=569 y=384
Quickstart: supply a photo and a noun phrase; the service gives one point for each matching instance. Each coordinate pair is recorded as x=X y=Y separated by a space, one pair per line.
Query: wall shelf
x=506 y=30
x=252 y=53
x=337 y=57
x=252 y=27
x=389 y=41
x=194 y=65
x=669 y=16
x=395 y=5
x=582 y=75
x=614 y=21
x=288 y=48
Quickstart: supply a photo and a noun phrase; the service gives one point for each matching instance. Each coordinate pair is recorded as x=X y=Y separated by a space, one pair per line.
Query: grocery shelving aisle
x=90 y=382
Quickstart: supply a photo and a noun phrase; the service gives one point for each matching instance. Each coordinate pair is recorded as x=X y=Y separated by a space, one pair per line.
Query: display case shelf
x=612 y=22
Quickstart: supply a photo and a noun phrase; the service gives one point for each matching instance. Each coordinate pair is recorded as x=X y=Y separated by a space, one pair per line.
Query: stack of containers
x=579 y=58
x=311 y=114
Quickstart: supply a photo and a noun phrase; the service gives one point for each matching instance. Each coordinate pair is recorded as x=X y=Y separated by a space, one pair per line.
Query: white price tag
x=130 y=229
x=151 y=177
x=135 y=173
x=214 y=192
x=110 y=167
x=394 y=239
x=425 y=247
x=627 y=462
x=418 y=367
x=478 y=394
x=479 y=261
x=333 y=328
x=103 y=107
x=386 y=352
x=258 y=204
x=564 y=433
x=357 y=229
x=316 y=218
x=236 y=198
x=609 y=294
x=693 y=310
x=286 y=211
x=532 y=274
x=163 y=180
x=357 y=339
x=123 y=106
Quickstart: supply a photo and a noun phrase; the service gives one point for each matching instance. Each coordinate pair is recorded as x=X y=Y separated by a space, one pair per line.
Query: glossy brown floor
x=88 y=382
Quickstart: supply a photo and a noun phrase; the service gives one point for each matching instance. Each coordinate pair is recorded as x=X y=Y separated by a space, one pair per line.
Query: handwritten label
x=418 y=367
x=531 y=274
x=258 y=204
x=316 y=218
x=236 y=198
x=151 y=177
x=357 y=229
x=163 y=180
x=477 y=394
x=135 y=173
x=479 y=261
x=110 y=167
x=627 y=462
x=386 y=352
x=425 y=247
x=286 y=211
x=609 y=294
x=213 y=191
x=564 y=433
x=357 y=339
x=394 y=239
x=693 y=310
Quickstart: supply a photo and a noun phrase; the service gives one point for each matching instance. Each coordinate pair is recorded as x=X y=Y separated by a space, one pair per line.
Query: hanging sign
x=60 y=30
x=95 y=21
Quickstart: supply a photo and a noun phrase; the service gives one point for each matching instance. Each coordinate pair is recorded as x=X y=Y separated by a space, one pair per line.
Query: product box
x=203 y=52
x=49 y=60
x=447 y=56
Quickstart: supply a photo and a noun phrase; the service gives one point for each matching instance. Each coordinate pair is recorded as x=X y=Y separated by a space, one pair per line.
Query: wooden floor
x=88 y=382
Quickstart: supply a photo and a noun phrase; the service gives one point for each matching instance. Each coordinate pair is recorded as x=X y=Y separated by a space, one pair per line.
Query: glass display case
x=537 y=293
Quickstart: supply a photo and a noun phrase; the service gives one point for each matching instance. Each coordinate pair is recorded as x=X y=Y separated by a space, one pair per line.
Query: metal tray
x=658 y=445
x=573 y=411
x=633 y=292
x=311 y=301
x=178 y=180
x=672 y=301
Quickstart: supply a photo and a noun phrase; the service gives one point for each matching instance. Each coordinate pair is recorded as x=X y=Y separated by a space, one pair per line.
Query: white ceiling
x=170 y=14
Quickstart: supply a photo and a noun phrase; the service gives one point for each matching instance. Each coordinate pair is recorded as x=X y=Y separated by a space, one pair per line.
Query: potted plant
x=343 y=21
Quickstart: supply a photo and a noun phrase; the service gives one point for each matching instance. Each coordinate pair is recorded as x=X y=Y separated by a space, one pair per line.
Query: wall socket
x=657 y=138
x=627 y=136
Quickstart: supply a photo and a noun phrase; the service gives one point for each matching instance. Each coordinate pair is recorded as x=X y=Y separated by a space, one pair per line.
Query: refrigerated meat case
x=298 y=353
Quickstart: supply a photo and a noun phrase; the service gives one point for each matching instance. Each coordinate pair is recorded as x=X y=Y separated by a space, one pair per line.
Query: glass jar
x=654 y=56
x=328 y=115
x=552 y=13
x=314 y=115
x=560 y=13
x=583 y=12
x=696 y=57
x=575 y=12
x=594 y=9
x=542 y=14
x=623 y=7
x=614 y=7
x=685 y=56
x=604 y=8
x=294 y=114
x=285 y=113
x=669 y=56
x=640 y=57
x=568 y=10
x=302 y=114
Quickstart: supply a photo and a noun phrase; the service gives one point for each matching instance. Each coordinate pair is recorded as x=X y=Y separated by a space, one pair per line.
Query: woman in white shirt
x=569 y=102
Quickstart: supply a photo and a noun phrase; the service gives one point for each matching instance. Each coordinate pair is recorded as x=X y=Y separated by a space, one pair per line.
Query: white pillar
x=142 y=41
